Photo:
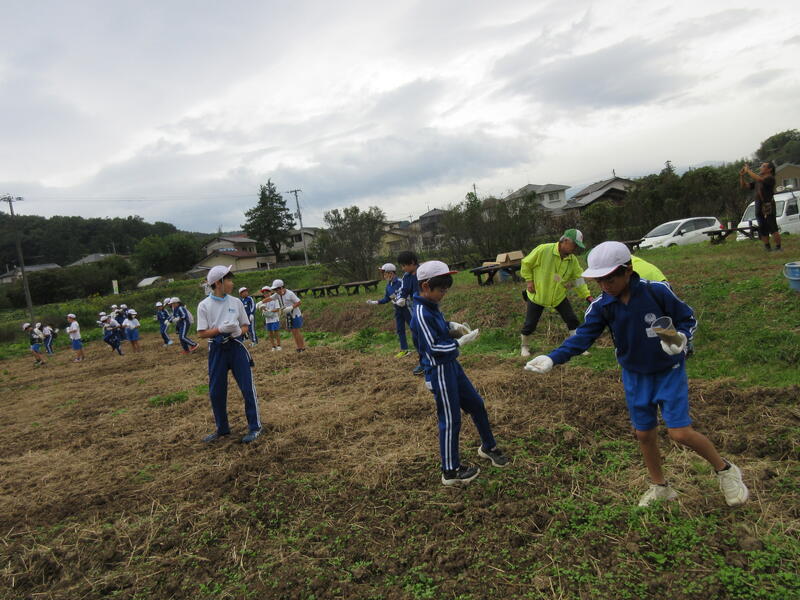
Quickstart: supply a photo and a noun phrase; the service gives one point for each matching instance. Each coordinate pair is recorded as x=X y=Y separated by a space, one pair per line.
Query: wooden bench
x=718 y=236
x=325 y=290
x=633 y=245
x=352 y=287
x=492 y=270
x=300 y=292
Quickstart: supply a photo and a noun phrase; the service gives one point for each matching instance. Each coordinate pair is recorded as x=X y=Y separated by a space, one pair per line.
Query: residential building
x=236 y=250
x=788 y=174
x=295 y=243
x=16 y=273
x=613 y=189
x=89 y=259
x=551 y=196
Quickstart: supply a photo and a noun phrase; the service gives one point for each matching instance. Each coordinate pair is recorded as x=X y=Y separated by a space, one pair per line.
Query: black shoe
x=418 y=370
x=213 y=437
x=460 y=476
x=251 y=437
x=495 y=455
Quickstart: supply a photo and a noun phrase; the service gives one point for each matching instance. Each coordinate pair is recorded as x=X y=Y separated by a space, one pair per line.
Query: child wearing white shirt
x=270 y=309
x=74 y=331
x=289 y=304
x=131 y=326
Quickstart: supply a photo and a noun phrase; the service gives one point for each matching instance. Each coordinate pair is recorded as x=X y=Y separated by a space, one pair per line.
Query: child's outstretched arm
x=584 y=337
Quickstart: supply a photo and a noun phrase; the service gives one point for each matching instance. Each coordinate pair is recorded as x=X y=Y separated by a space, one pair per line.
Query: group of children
x=652 y=359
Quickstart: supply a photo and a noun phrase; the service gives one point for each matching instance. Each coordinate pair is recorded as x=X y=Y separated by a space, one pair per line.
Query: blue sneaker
x=251 y=437
x=213 y=437
x=418 y=370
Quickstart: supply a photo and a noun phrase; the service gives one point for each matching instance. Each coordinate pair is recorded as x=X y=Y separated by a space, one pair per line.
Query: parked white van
x=679 y=233
x=787 y=214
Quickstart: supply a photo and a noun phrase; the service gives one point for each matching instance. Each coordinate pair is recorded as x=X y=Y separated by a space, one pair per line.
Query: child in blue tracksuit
x=111 y=333
x=250 y=308
x=402 y=315
x=182 y=320
x=36 y=339
x=222 y=320
x=49 y=334
x=408 y=288
x=653 y=364
x=439 y=342
x=162 y=316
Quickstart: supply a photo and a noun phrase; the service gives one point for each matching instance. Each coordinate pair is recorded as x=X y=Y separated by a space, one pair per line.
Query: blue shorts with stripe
x=646 y=393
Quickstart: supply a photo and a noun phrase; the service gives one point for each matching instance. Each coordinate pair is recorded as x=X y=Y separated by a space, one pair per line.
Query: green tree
x=269 y=221
x=351 y=241
x=781 y=148
x=156 y=255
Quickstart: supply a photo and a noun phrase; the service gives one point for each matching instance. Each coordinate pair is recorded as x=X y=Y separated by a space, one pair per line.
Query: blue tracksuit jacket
x=392 y=289
x=638 y=348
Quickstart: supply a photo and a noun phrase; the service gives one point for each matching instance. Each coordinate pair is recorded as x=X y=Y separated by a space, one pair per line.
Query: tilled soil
x=104 y=493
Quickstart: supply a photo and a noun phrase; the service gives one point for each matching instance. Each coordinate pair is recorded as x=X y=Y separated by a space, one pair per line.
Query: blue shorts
x=35 y=347
x=668 y=390
x=77 y=345
x=297 y=322
x=133 y=335
x=273 y=326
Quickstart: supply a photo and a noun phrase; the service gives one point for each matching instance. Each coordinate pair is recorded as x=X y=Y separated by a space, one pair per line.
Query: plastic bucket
x=792 y=272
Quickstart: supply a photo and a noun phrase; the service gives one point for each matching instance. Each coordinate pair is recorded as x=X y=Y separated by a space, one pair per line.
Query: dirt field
x=107 y=492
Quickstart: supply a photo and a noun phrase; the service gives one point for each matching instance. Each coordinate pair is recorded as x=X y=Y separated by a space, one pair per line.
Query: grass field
x=106 y=491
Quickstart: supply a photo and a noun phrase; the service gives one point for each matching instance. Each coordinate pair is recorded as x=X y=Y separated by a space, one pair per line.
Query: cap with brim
x=174 y=299
x=25 y=326
x=266 y=288
x=159 y=304
x=71 y=316
x=123 y=306
x=114 y=306
x=575 y=235
x=101 y=314
x=216 y=273
x=433 y=268
x=389 y=267
x=278 y=283
x=605 y=258
x=243 y=289
x=132 y=312
x=104 y=318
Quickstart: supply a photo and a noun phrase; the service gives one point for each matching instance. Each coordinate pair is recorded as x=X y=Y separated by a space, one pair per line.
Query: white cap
x=159 y=304
x=433 y=268
x=389 y=267
x=132 y=312
x=242 y=289
x=104 y=318
x=114 y=306
x=167 y=299
x=278 y=283
x=174 y=299
x=25 y=326
x=606 y=257
x=123 y=306
x=71 y=316
x=266 y=288
x=216 y=273
x=101 y=314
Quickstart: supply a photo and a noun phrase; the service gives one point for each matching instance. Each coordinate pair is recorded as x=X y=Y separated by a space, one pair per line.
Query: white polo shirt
x=214 y=311
x=74 y=331
x=289 y=299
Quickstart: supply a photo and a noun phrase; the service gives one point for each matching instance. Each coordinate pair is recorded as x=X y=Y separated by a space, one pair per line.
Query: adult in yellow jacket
x=647 y=270
x=549 y=270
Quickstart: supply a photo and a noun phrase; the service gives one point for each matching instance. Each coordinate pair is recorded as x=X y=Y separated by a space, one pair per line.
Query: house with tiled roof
x=551 y=196
x=613 y=189
x=236 y=250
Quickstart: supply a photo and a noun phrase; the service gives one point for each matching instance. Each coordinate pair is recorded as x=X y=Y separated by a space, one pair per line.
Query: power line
x=300 y=218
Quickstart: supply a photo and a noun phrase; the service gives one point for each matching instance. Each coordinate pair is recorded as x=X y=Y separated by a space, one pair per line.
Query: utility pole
x=300 y=218
x=10 y=199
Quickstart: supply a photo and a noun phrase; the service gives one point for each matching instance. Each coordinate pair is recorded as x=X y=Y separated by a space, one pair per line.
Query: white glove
x=540 y=364
x=288 y=310
x=372 y=301
x=231 y=327
x=401 y=302
x=457 y=329
x=469 y=337
x=673 y=349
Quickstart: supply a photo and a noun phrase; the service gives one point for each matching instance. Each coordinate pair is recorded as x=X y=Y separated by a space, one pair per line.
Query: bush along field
x=107 y=491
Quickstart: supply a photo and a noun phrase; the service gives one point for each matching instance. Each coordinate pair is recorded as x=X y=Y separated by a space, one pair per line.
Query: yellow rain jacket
x=647 y=270
x=552 y=275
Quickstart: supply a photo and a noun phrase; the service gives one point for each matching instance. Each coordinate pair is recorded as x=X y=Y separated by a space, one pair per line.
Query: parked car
x=787 y=214
x=679 y=233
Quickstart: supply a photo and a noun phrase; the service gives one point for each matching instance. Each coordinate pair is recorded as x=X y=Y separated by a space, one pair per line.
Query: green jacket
x=552 y=275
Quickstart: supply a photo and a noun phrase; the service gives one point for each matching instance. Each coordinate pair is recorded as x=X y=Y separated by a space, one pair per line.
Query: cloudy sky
x=178 y=110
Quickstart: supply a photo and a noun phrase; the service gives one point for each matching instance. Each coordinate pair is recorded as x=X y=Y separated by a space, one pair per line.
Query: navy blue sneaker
x=460 y=476
x=213 y=437
x=251 y=437
x=418 y=370
x=495 y=455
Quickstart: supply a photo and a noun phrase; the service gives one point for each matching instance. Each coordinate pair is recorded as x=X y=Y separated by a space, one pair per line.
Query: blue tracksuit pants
x=402 y=317
x=454 y=392
x=48 y=344
x=252 y=333
x=183 y=329
x=162 y=329
x=224 y=357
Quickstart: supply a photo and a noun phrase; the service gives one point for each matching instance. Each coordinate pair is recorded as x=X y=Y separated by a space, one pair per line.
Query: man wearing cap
x=250 y=309
x=549 y=270
x=402 y=314
x=222 y=320
x=652 y=358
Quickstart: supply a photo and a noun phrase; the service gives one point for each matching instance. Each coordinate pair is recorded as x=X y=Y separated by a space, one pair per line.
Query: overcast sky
x=178 y=110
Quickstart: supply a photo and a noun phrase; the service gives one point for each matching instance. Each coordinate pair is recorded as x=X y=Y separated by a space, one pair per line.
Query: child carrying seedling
x=289 y=304
x=653 y=364
x=270 y=309
x=37 y=339
x=439 y=342
x=402 y=316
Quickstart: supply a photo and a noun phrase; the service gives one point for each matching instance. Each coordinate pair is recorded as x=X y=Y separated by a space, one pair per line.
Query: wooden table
x=633 y=245
x=325 y=290
x=720 y=235
x=352 y=287
x=491 y=270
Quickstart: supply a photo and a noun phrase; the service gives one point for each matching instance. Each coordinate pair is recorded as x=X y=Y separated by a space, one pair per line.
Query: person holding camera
x=763 y=183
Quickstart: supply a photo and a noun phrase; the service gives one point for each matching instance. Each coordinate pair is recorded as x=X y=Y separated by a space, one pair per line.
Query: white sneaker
x=732 y=486
x=657 y=492
x=274 y=348
x=278 y=348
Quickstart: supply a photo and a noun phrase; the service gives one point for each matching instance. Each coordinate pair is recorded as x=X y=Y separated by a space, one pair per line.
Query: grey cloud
x=762 y=78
